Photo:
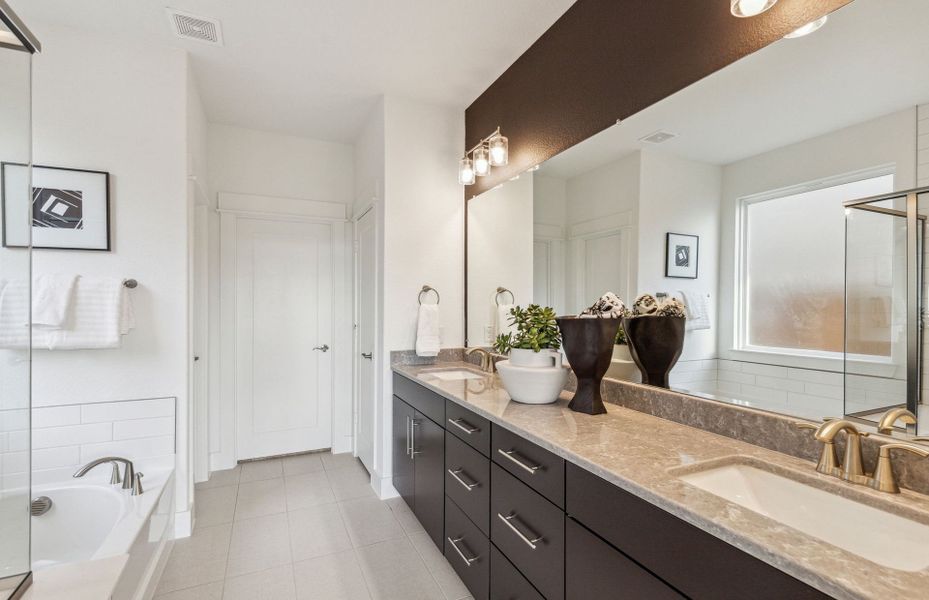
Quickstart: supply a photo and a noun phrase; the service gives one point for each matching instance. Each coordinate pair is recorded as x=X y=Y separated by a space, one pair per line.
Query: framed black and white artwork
x=682 y=256
x=66 y=209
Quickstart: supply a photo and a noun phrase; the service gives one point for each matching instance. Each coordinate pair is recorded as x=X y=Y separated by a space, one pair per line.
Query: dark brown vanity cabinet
x=402 y=461
x=468 y=551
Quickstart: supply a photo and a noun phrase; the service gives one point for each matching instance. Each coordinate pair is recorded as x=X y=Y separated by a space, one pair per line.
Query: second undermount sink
x=874 y=534
x=454 y=375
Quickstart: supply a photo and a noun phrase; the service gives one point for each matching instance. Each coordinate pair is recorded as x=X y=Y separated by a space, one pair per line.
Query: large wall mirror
x=798 y=299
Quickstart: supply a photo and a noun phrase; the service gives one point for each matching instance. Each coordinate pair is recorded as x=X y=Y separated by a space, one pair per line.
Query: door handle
x=366 y=355
x=323 y=348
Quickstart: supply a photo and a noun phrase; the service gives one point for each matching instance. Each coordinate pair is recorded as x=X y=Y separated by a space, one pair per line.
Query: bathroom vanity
x=542 y=502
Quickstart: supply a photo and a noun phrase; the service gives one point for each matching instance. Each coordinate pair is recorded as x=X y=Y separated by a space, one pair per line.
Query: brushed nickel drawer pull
x=408 y=448
x=454 y=543
x=413 y=451
x=531 y=469
x=467 y=486
x=531 y=543
x=469 y=429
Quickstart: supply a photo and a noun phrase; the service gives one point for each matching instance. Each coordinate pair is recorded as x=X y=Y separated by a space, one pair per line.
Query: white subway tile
x=72 y=435
x=766 y=370
x=779 y=383
x=826 y=391
x=59 y=474
x=736 y=377
x=4 y=441
x=121 y=411
x=131 y=449
x=18 y=440
x=876 y=384
x=143 y=428
x=687 y=366
x=51 y=458
x=14 y=419
x=752 y=392
x=923 y=111
x=56 y=416
x=728 y=387
x=824 y=377
x=14 y=462
x=815 y=406
x=729 y=365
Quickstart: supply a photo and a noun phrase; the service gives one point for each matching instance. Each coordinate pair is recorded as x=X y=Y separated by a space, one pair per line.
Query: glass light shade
x=750 y=8
x=808 y=28
x=499 y=151
x=481 y=161
x=465 y=171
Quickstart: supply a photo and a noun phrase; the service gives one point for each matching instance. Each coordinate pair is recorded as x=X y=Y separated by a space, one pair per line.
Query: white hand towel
x=102 y=312
x=14 y=314
x=51 y=299
x=427 y=330
x=698 y=314
x=504 y=324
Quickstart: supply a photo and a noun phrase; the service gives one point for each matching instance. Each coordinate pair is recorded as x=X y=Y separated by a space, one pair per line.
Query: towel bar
x=503 y=290
x=426 y=289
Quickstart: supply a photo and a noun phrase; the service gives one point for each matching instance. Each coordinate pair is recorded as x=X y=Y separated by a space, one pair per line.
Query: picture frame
x=57 y=208
x=682 y=255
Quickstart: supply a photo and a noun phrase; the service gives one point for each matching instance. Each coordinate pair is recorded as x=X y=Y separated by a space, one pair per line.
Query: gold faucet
x=890 y=418
x=883 y=480
x=487 y=359
x=852 y=468
x=828 y=460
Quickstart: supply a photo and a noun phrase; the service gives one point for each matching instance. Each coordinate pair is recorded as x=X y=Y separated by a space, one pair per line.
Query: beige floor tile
x=261 y=469
x=317 y=531
x=260 y=498
x=428 y=551
x=449 y=582
x=331 y=577
x=350 y=482
x=196 y=560
x=369 y=521
x=394 y=571
x=214 y=506
x=210 y=591
x=258 y=544
x=340 y=461
x=302 y=463
x=405 y=516
x=273 y=584
x=221 y=478
x=304 y=491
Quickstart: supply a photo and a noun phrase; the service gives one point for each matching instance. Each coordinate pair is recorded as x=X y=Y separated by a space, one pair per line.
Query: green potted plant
x=536 y=341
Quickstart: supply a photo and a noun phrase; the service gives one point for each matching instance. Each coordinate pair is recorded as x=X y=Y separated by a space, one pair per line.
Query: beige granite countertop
x=641 y=453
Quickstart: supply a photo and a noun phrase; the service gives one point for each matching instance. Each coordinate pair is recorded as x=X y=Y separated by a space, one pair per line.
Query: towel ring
x=503 y=290
x=426 y=289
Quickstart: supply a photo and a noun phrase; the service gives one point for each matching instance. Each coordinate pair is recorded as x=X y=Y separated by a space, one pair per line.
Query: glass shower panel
x=15 y=155
x=922 y=406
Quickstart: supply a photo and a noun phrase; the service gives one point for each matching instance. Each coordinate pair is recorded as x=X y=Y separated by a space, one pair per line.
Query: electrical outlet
x=489 y=334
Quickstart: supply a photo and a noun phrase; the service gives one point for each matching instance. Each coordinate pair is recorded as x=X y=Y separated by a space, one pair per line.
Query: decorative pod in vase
x=588 y=344
x=655 y=342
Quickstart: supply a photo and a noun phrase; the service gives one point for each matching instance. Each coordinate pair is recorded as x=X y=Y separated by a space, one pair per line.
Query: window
x=792 y=283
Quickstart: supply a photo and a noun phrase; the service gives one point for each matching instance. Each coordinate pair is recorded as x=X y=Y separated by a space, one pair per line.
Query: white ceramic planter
x=621 y=352
x=532 y=385
x=622 y=366
x=530 y=358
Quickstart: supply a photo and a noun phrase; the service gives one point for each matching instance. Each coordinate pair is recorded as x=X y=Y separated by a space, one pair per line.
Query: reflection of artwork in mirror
x=682 y=256
x=68 y=208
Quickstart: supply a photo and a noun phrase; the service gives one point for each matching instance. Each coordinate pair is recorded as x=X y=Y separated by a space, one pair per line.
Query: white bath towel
x=427 y=330
x=101 y=313
x=698 y=313
x=504 y=320
x=51 y=299
x=14 y=313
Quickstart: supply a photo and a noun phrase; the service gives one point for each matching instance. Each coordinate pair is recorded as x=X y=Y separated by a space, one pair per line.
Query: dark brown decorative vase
x=588 y=344
x=655 y=344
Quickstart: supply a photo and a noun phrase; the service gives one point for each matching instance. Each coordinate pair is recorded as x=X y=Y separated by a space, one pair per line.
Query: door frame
x=231 y=208
x=374 y=210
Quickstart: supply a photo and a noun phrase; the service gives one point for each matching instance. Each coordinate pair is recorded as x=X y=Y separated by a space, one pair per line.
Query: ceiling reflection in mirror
x=730 y=196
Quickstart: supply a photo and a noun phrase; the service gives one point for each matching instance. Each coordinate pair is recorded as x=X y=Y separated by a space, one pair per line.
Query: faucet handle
x=137 y=484
x=115 y=477
x=883 y=480
x=801 y=425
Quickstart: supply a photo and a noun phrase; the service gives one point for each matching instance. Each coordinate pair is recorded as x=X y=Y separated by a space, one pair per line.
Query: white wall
x=499 y=232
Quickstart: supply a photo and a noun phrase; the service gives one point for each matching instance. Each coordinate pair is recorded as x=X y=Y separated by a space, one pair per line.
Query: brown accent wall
x=605 y=60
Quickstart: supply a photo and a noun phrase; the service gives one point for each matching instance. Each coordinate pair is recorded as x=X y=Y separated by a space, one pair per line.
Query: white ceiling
x=316 y=67
x=870 y=59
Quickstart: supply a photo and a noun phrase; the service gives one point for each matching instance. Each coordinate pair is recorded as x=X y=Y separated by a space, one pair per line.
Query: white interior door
x=201 y=317
x=366 y=305
x=283 y=332
x=605 y=267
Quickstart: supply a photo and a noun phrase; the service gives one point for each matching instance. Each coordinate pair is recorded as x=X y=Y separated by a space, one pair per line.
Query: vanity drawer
x=697 y=563
x=467 y=481
x=539 y=469
x=529 y=530
x=593 y=569
x=474 y=430
x=419 y=397
x=468 y=551
x=506 y=582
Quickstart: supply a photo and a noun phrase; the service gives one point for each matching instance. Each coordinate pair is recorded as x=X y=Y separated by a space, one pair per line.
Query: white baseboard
x=183 y=524
x=383 y=487
x=342 y=444
x=221 y=462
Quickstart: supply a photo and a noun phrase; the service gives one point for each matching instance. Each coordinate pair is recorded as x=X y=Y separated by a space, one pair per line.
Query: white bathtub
x=92 y=520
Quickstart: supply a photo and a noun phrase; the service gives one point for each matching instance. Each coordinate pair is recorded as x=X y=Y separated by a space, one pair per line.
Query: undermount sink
x=876 y=535
x=454 y=375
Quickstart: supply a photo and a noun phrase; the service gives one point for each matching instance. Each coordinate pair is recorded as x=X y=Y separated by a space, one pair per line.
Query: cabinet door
x=402 y=460
x=429 y=476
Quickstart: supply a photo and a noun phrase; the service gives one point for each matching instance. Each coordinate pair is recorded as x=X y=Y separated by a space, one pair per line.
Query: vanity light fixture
x=808 y=28
x=750 y=8
x=491 y=151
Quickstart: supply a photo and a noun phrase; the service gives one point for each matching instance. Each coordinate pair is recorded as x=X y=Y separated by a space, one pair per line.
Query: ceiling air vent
x=658 y=137
x=191 y=27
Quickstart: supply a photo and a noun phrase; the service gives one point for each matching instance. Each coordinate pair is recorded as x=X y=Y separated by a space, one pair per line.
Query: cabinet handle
x=413 y=450
x=467 y=427
x=506 y=520
x=408 y=435
x=454 y=543
x=467 y=486
x=531 y=469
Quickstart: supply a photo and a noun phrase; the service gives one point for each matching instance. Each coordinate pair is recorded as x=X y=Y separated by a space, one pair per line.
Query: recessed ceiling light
x=750 y=8
x=808 y=28
x=658 y=137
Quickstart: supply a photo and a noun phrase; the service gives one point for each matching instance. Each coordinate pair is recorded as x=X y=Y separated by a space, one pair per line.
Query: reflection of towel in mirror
x=698 y=313
x=427 y=330
x=51 y=299
x=504 y=320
